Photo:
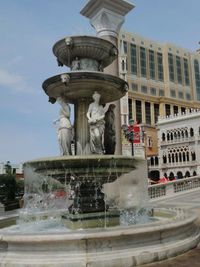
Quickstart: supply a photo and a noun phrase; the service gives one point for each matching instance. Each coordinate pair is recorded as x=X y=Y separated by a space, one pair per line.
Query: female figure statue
x=64 y=128
x=96 y=122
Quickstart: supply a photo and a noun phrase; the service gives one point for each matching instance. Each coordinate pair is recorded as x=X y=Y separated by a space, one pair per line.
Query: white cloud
x=13 y=81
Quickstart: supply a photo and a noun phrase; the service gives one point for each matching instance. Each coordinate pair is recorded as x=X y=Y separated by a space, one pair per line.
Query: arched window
x=171 y=176
x=156 y=160
x=179 y=135
x=186 y=133
x=187 y=174
x=191 y=132
x=180 y=157
x=188 y=156
x=173 y=158
x=179 y=175
x=169 y=158
x=164 y=159
x=193 y=154
x=163 y=137
x=197 y=78
x=175 y=135
x=194 y=173
x=182 y=134
x=184 y=158
x=168 y=137
x=152 y=161
x=172 y=137
x=176 y=156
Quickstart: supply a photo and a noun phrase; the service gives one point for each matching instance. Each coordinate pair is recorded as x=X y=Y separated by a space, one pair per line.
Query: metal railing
x=170 y=189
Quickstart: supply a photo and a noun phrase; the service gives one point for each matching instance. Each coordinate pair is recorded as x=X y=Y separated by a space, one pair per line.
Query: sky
x=28 y=31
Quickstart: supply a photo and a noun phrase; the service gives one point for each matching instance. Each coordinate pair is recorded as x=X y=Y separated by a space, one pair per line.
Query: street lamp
x=129 y=133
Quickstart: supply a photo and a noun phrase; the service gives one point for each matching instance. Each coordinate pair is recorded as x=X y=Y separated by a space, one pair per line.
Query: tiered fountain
x=89 y=207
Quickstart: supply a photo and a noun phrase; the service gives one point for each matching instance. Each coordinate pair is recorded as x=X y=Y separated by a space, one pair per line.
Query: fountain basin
x=174 y=233
x=96 y=186
x=85 y=47
x=82 y=85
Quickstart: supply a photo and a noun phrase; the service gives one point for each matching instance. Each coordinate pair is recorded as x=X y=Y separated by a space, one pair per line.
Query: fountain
x=89 y=207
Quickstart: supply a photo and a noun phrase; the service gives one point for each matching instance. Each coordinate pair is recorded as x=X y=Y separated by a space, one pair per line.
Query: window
x=130 y=115
x=134 y=87
x=160 y=66
x=125 y=47
x=143 y=62
x=175 y=108
x=167 y=110
x=188 y=96
x=138 y=111
x=172 y=93
x=144 y=89
x=186 y=71
x=183 y=110
x=161 y=92
x=171 y=67
x=133 y=59
x=156 y=112
x=197 y=78
x=151 y=65
x=178 y=69
x=148 y=112
x=180 y=95
x=153 y=91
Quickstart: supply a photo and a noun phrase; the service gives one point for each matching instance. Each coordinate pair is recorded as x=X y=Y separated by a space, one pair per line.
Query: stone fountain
x=90 y=207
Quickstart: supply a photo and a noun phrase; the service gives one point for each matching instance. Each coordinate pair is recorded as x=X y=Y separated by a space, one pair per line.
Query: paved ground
x=190 y=201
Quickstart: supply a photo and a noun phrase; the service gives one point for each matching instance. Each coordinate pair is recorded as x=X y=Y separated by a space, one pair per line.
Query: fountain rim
x=83 y=157
x=100 y=233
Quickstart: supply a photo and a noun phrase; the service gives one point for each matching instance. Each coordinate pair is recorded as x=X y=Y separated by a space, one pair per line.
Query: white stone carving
x=64 y=130
x=96 y=122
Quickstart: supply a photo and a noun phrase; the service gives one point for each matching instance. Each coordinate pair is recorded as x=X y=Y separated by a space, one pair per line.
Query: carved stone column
x=107 y=17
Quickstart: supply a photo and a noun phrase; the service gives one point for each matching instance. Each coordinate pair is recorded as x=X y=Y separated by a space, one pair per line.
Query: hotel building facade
x=163 y=80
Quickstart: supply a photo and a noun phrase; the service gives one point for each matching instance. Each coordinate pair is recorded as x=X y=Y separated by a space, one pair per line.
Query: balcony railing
x=170 y=189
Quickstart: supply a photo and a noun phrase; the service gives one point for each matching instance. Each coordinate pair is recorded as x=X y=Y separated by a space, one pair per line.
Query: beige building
x=163 y=80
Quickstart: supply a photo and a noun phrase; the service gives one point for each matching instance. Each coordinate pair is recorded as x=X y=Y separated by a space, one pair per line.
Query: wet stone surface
x=189 y=259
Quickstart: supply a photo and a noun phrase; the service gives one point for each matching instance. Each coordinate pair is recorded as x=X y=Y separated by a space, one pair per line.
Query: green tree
x=7 y=187
x=8 y=168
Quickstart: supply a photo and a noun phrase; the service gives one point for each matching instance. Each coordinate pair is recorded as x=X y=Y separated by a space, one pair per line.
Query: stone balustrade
x=192 y=112
x=172 y=188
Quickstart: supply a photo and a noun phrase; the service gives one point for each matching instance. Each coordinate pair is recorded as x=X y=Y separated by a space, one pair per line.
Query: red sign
x=136 y=129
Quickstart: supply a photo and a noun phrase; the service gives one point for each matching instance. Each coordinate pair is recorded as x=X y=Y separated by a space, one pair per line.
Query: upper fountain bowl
x=85 y=47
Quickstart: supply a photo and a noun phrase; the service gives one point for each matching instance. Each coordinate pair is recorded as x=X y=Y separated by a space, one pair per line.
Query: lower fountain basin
x=82 y=85
x=174 y=232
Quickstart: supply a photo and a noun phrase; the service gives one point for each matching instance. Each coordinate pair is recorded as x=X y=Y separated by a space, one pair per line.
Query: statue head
x=96 y=96
x=112 y=106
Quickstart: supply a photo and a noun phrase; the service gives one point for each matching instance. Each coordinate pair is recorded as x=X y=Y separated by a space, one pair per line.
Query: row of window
x=180 y=175
x=146 y=90
x=177 y=134
x=178 y=69
x=181 y=156
x=158 y=92
x=144 y=62
x=197 y=78
x=148 y=114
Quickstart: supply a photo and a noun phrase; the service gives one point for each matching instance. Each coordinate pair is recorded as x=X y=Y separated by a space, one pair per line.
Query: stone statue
x=96 y=122
x=64 y=131
x=110 y=134
x=75 y=64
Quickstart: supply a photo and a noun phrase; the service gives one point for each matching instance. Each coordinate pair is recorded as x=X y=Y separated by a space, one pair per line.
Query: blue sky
x=29 y=29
